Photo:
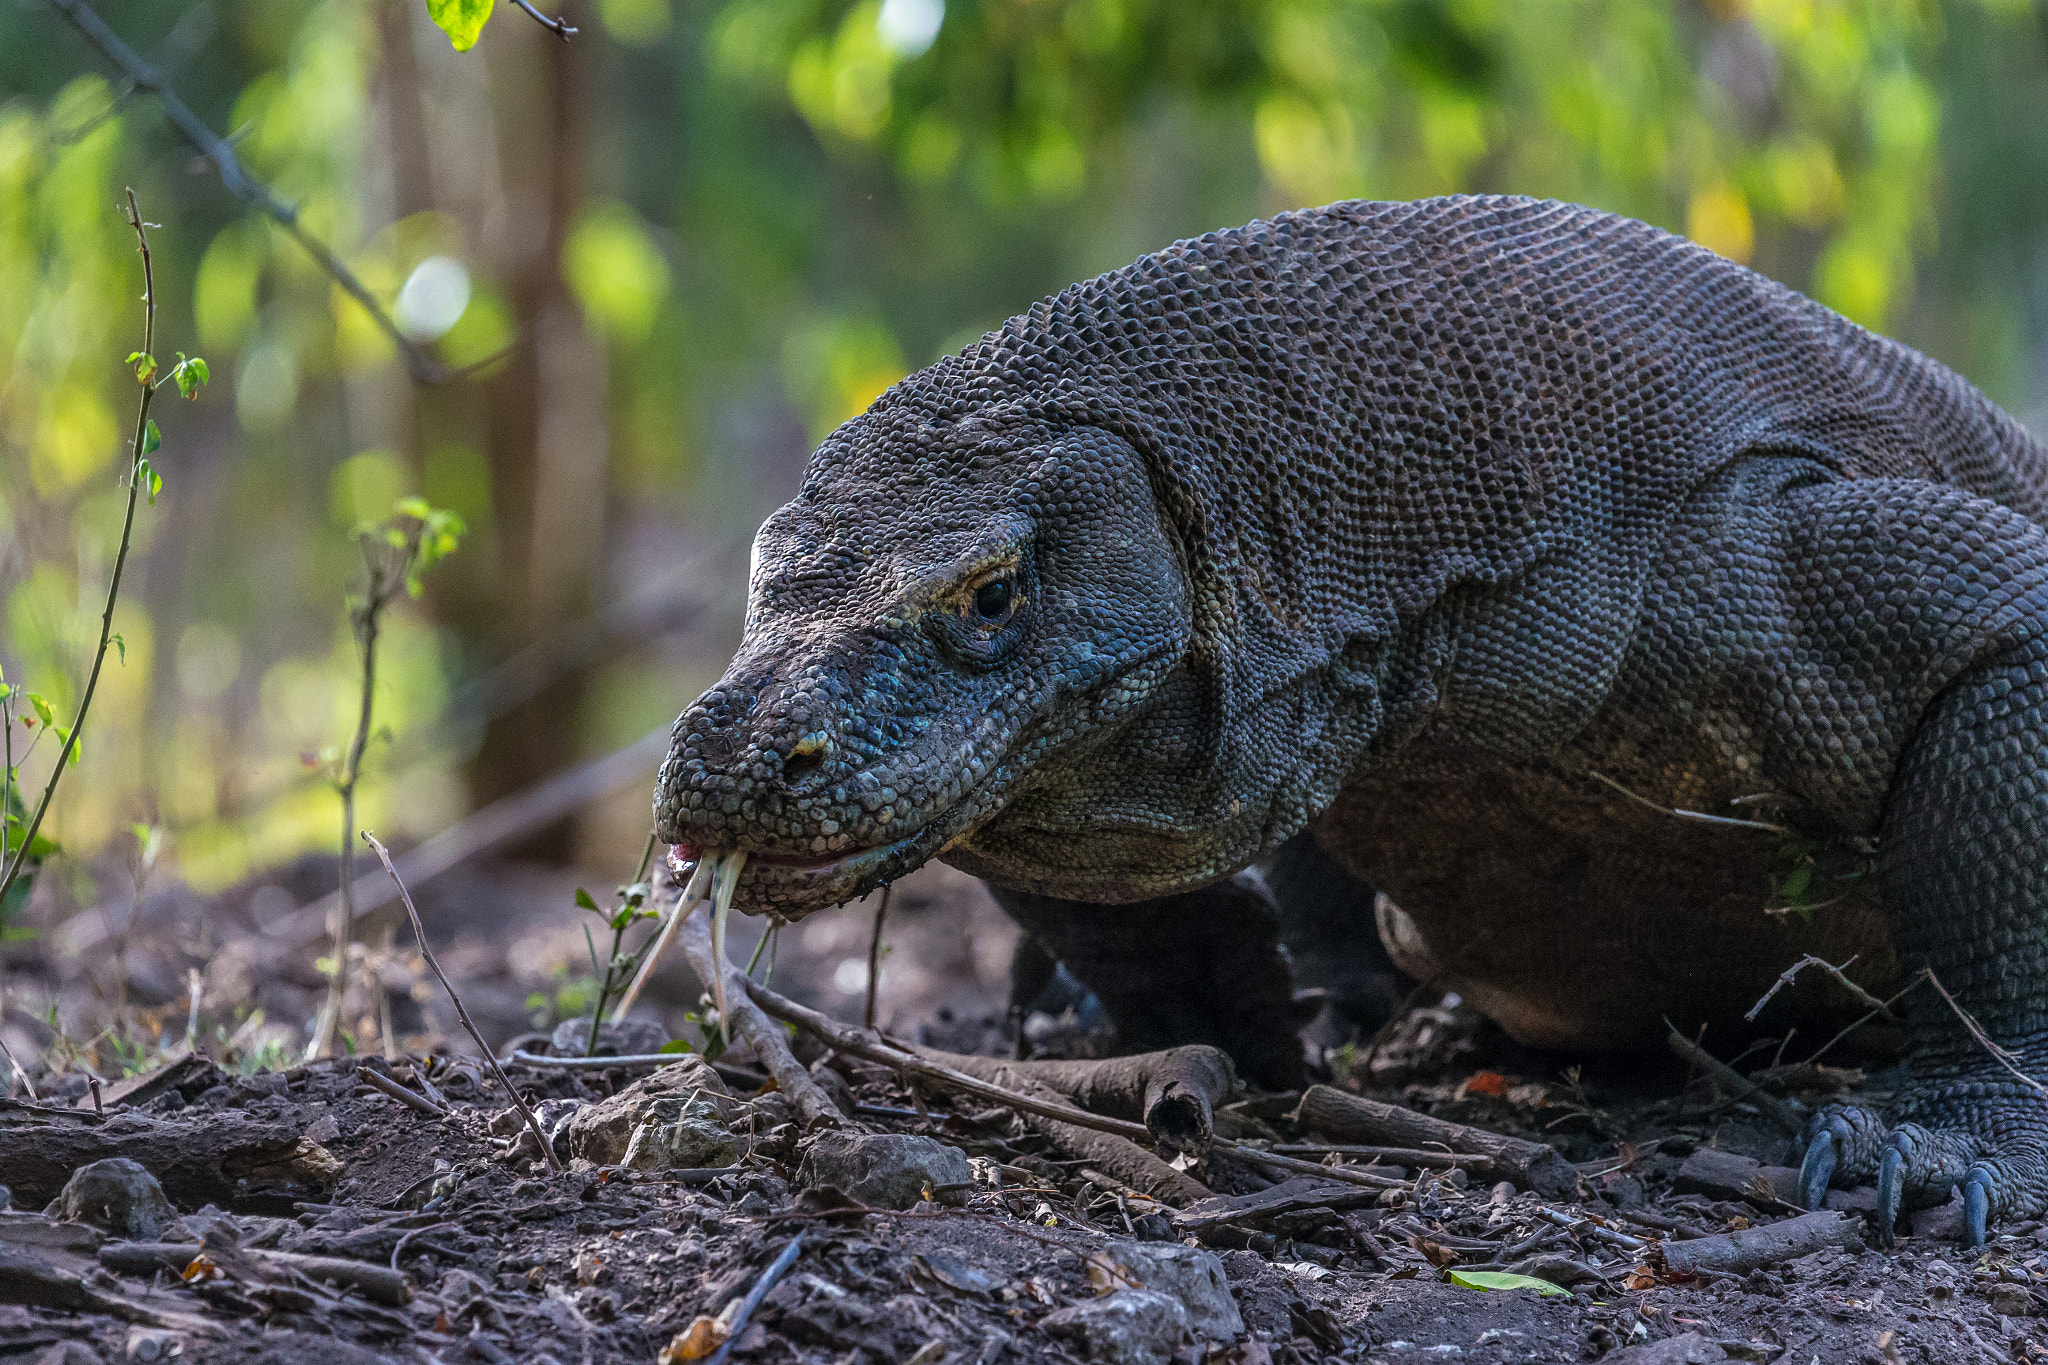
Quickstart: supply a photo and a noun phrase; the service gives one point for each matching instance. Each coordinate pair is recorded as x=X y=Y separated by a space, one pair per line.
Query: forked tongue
x=725 y=877
x=693 y=890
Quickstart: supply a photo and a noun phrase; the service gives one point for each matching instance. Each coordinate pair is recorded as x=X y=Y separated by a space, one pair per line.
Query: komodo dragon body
x=1492 y=541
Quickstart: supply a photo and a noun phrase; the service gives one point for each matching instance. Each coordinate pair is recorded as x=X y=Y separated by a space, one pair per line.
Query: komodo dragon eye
x=993 y=600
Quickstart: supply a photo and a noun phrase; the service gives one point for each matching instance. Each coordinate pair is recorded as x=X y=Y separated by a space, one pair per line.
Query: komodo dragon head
x=958 y=612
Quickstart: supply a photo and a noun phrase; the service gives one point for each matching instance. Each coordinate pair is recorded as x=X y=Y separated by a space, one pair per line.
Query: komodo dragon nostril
x=805 y=755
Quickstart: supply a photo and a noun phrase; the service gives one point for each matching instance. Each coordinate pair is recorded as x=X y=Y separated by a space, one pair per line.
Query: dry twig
x=2002 y=1055
x=1785 y=979
x=377 y=1080
x=1733 y=1081
x=547 y=1149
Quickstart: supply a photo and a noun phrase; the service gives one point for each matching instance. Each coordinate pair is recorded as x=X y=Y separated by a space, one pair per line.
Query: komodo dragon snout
x=944 y=607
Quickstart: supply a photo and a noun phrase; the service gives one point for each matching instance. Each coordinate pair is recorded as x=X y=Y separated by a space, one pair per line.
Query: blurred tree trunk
x=544 y=415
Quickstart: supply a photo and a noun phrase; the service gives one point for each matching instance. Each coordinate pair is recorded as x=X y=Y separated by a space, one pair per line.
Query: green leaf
x=461 y=20
x=152 y=482
x=145 y=366
x=674 y=1045
x=42 y=706
x=119 y=643
x=585 y=900
x=1500 y=1279
x=151 y=437
x=191 y=375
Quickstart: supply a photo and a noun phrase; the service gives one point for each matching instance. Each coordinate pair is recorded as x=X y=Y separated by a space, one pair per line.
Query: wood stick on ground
x=547 y=1149
x=1413 y=1156
x=924 y=1067
x=1738 y=1253
x=1531 y=1165
x=1838 y=973
x=1174 y=1093
x=380 y=1284
x=747 y=1022
x=1733 y=1081
x=774 y=1272
x=378 y=1081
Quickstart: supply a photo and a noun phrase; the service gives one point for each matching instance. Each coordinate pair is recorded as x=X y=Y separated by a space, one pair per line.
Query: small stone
x=2013 y=1300
x=628 y=1038
x=602 y=1133
x=1192 y=1276
x=883 y=1170
x=119 y=1195
x=1129 y=1327
x=675 y=1134
x=1689 y=1349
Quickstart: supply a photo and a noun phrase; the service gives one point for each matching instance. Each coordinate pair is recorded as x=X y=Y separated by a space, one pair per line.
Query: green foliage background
x=715 y=229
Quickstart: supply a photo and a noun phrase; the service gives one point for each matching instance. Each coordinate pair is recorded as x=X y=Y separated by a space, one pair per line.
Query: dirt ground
x=1029 y=1259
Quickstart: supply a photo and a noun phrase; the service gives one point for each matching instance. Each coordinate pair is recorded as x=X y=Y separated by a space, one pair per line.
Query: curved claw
x=1891 y=1193
x=1817 y=1169
x=1976 y=1205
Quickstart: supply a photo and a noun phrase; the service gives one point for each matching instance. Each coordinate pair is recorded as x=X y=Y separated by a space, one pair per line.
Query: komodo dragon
x=1482 y=538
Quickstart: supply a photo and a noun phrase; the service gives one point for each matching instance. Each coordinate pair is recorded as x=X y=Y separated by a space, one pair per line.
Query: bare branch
x=559 y=27
x=139 y=74
x=547 y=1149
x=1785 y=979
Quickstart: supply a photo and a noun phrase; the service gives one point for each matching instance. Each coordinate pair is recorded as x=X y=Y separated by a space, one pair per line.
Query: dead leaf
x=694 y=1342
x=1435 y=1253
x=1486 y=1083
x=1107 y=1276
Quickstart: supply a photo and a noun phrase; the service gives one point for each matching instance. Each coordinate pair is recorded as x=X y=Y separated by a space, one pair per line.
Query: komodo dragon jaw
x=950 y=607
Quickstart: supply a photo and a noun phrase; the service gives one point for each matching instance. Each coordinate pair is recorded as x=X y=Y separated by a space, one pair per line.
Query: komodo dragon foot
x=1987 y=1135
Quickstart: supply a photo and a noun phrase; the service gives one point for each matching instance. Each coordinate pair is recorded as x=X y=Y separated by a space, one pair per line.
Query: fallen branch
x=814 y=1107
x=1173 y=1093
x=547 y=1149
x=1413 y=1156
x=1734 y=1082
x=412 y=1099
x=27 y=1278
x=774 y=1272
x=1785 y=979
x=1738 y=1253
x=918 y=1067
x=380 y=1284
x=142 y=76
x=1530 y=1165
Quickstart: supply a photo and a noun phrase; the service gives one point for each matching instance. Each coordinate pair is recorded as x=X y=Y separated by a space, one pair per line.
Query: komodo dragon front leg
x=1893 y=575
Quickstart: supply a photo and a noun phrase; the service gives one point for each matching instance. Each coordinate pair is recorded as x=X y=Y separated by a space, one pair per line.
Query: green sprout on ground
x=629 y=906
x=22 y=842
x=397 y=552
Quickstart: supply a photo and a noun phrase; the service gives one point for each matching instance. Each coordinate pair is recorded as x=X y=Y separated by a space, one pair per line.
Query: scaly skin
x=1467 y=534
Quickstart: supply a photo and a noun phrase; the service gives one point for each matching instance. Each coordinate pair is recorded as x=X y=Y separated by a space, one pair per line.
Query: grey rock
x=630 y=1038
x=673 y=1117
x=2013 y=1300
x=883 y=1170
x=1129 y=1327
x=1690 y=1349
x=1193 y=1276
x=119 y=1195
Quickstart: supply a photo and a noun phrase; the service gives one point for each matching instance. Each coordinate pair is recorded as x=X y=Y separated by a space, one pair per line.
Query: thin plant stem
x=419 y=930
x=875 y=956
x=343 y=921
x=608 y=981
x=99 y=658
